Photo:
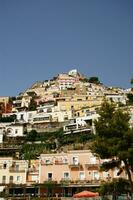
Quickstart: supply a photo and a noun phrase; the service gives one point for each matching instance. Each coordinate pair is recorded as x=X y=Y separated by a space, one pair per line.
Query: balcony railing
x=3 y=182
x=15 y=170
x=80 y=182
x=65 y=181
x=48 y=162
x=90 y=182
x=50 y=181
x=92 y=165
x=73 y=165
x=33 y=170
x=68 y=182
x=60 y=162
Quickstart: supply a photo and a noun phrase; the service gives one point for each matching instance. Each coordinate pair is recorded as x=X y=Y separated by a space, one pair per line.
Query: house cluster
x=68 y=101
x=61 y=173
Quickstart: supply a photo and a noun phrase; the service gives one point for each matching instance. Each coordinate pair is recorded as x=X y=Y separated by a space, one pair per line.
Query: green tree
x=131 y=81
x=32 y=105
x=114 y=140
x=130 y=98
x=115 y=188
x=11 y=118
x=31 y=136
x=94 y=79
x=50 y=185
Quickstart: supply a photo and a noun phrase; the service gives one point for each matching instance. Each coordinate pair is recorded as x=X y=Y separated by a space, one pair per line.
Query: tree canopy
x=130 y=98
x=131 y=81
x=94 y=79
x=32 y=105
x=114 y=139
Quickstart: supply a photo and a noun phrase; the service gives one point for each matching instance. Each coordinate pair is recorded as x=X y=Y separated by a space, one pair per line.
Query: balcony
x=33 y=170
x=50 y=182
x=79 y=182
x=65 y=181
x=75 y=165
x=46 y=162
x=92 y=165
x=16 y=170
x=61 y=162
x=10 y=181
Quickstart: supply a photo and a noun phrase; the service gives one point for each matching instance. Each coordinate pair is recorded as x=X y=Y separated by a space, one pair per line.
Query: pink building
x=72 y=171
x=73 y=165
x=66 y=81
x=69 y=172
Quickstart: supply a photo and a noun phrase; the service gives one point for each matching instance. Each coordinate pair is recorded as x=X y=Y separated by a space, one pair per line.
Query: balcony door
x=4 y=179
x=75 y=160
x=96 y=175
x=11 y=179
x=66 y=176
x=81 y=176
x=50 y=176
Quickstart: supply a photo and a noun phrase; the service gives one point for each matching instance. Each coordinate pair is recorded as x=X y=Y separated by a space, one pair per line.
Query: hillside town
x=45 y=133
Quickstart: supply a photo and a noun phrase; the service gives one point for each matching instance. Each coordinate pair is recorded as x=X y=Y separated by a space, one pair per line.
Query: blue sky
x=41 y=38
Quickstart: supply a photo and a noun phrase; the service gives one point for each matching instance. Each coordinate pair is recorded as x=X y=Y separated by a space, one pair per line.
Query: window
x=4 y=165
x=66 y=175
x=96 y=176
x=17 y=168
x=16 y=131
x=65 y=117
x=49 y=110
x=18 y=178
x=34 y=178
x=11 y=179
x=21 y=117
x=81 y=175
x=3 y=179
x=93 y=160
x=49 y=176
x=75 y=160
x=65 y=160
x=9 y=130
x=30 y=115
x=47 y=161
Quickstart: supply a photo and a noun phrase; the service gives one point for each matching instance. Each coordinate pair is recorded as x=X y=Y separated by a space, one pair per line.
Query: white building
x=14 y=130
x=55 y=116
x=82 y=123
x=11 y=130
x=21 y=101
x=1 y=136
x=116 y=98
x=22 y=116
x=51 y=113
x=25 y=116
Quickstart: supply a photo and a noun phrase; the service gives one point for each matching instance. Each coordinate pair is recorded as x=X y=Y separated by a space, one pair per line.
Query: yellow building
x=78 y=103
x=4 y=100
x=12 y=171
